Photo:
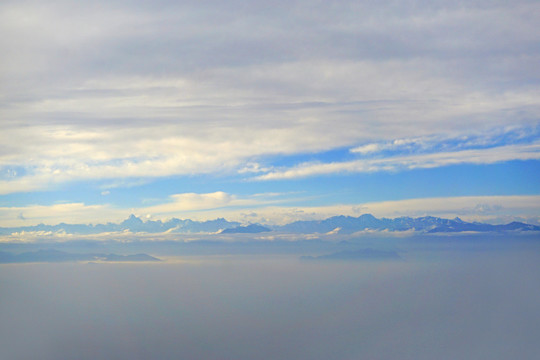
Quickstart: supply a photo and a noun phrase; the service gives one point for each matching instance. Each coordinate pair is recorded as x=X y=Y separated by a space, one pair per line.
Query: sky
x=268 y=112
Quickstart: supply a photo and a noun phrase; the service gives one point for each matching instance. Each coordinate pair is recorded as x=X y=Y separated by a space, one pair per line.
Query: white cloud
x=111 y=90
x=193 y=202
x=416 y=161
x=490 y=209
x=253 y=168
x=470 y=207
x=392 y=145
x=268 y=210
x=195 y=206
x=368 y=148
x=74 y=213
x=182 y=126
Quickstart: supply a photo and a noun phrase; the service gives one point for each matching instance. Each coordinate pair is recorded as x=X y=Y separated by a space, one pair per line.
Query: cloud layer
x=408 y=162
x=279 y=209
x=107 y=90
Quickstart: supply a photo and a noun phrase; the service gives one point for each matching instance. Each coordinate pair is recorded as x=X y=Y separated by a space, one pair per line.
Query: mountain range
x=132 y=224
x=52 y=255
x=337 y=224
x=428 y=224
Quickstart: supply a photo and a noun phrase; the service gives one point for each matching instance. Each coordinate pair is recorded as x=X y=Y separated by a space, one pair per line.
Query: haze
x=446 y=302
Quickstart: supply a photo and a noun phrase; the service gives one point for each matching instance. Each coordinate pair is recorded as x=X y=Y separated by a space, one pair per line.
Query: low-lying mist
x=480 y=306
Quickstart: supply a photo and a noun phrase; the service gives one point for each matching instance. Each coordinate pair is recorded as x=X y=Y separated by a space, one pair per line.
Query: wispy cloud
x=438 y=142
x=491 y=209
x=197 y=206
x=409 y=162
x=57 y=213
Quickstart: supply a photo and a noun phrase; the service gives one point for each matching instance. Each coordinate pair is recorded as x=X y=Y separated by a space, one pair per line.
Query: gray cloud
x=100 y=84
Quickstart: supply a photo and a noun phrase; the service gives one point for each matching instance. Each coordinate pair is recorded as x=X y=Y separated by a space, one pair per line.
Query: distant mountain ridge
x=348 y=225
x=133 y=224
x=51 y=255
x=337 y=224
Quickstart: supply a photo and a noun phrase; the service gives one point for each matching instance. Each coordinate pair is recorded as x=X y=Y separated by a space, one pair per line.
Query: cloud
x=409 y=162
x=253 y=168
x=193 y=202
x=462 y=205
x=393 y=145
x=166 y=156
x=490 y=209
x=74 y=213
x=494 y=137
x=195 y=206
x=113 y=91
x=366 y=149
x=215 y=205
x=273 y=209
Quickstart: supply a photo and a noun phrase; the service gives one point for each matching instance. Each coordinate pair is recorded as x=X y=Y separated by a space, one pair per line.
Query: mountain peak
x=132 y=220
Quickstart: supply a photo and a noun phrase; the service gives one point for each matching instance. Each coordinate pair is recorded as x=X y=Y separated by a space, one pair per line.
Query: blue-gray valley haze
x=443 y=298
